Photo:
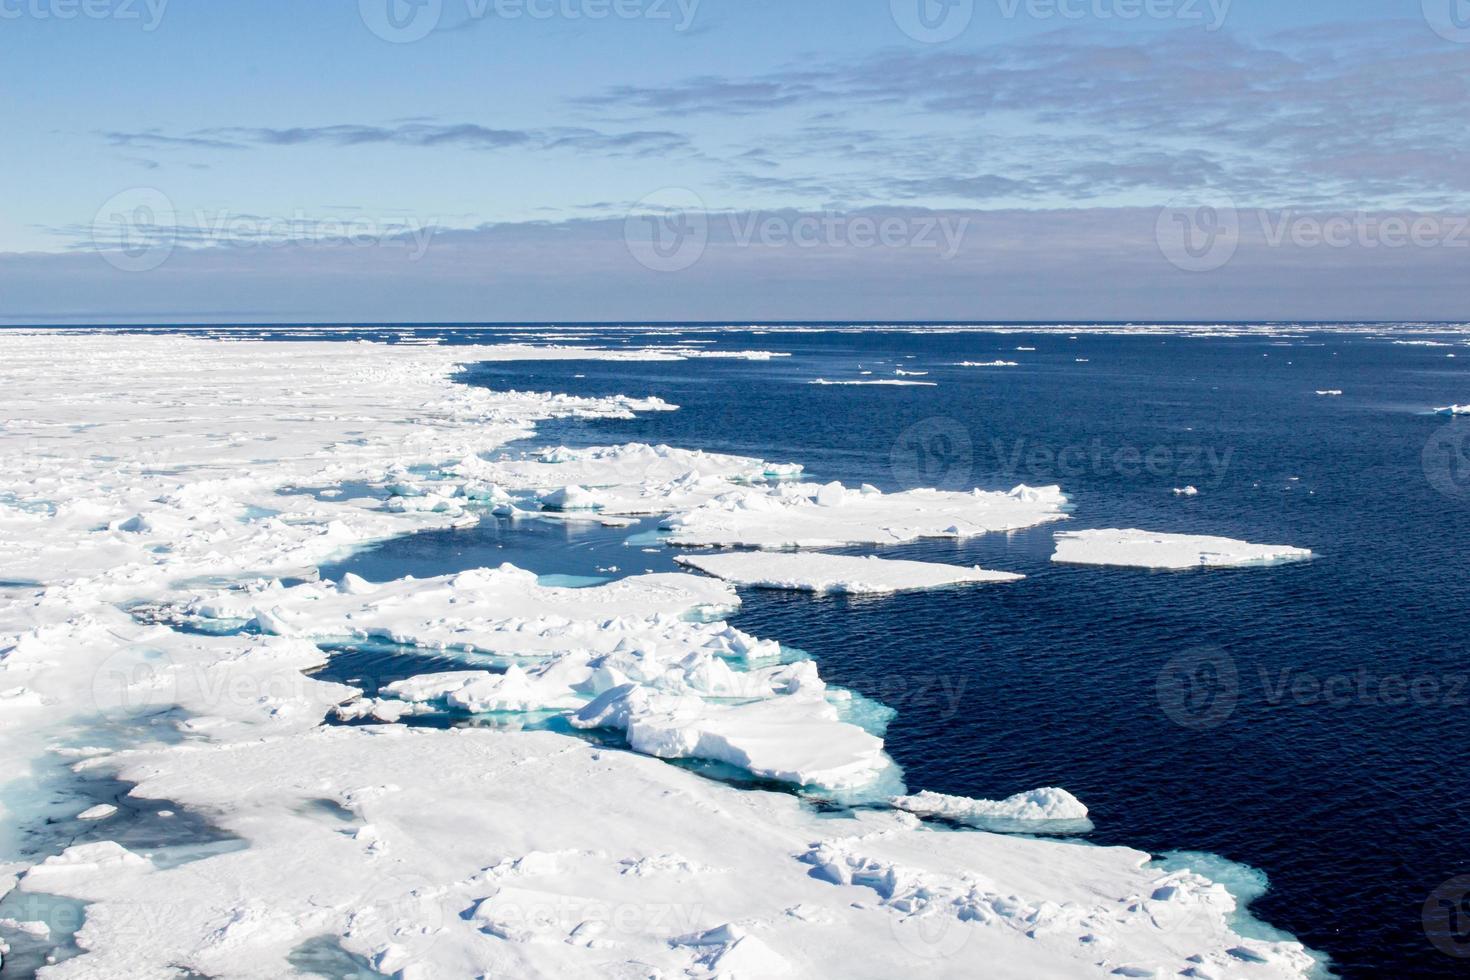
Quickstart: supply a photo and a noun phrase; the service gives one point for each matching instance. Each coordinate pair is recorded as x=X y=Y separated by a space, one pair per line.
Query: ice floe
x=1148 y=549
x=1453 y=410
x=825 y=573
x=1042 y=810
x=811 y=516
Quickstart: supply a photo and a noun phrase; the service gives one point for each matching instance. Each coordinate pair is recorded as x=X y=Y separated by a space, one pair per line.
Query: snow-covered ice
x=1148 y=549
x=1454 y=410
x=1037 y=811
x=825 y=573
x=830 y=516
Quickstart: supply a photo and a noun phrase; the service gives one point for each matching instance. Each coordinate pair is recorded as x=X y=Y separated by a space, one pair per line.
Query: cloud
x=1017 y=264
x=1365 y=114
x=417 y=134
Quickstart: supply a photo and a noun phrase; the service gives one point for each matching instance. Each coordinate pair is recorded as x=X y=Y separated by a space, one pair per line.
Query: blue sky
x=285 y=161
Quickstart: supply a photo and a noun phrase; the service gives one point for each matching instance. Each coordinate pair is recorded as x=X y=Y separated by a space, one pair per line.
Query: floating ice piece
x=1148 y=549
x=503 y=610
x=572 y=498
x=1190 y=491
x=797 y=739
x=1053 y=810
x=1453 y=410
x=99 y=812
x=809 y=572
x=1330 y=393
x=808 y=516
x=975 y=364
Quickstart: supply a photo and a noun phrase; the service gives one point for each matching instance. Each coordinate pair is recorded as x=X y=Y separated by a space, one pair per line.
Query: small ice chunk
x=1038 y=807
x=99 y=812
x=1190 y=491
x=572 y=498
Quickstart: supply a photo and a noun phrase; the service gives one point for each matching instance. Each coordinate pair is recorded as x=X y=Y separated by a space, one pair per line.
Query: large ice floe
x=802 y=515
x=826 y=573
x=1149 y=549
x=165 y=504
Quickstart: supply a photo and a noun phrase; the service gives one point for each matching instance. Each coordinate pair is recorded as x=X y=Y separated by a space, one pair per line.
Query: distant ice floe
x=1147 y=549
x=810 y=516
x=824 y=573
x=881 y=383
x=1453 y=410
x=166 y=503
x=975 y=364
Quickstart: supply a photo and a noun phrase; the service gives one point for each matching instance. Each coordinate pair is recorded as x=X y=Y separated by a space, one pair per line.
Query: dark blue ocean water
x=1310 y=720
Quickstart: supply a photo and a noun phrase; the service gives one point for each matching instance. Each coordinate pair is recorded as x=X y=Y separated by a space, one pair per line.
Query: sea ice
x=815 y=572
x=1053 y=810
x=161 y=491
x=1147 y=549
x=811 y=516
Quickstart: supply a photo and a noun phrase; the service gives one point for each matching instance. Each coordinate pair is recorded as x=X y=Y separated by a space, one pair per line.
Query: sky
x=745 y=160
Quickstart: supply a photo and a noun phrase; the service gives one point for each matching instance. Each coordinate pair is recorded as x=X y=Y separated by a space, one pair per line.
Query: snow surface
x=812 y=516
x=1148 y=549
x=809 y=572
x=159 y=492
